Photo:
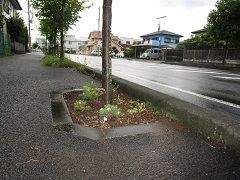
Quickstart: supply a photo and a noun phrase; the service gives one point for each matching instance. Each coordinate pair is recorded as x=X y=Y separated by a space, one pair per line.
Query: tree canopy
x=222 y=29
x=224 y=22
x=57 y=16
x=203 y=41
x=17 y=30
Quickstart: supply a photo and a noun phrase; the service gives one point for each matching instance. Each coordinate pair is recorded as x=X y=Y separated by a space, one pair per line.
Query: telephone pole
x=29 y=27
x=159 y=27
x=98 y=44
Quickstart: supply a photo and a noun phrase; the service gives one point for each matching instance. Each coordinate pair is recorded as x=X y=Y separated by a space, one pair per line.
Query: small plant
x=119 y=100
x=81 y=105
x=91 y=91
x=115 y=87
x=139 y=107
x=81 y=68
x=109 y=112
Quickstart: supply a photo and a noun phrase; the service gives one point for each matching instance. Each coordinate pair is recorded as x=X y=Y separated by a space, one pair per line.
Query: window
x=69 y=42
x=155 y=51
x=167 y=40
x=127 y=42
x=155 y=38
x=177 y=41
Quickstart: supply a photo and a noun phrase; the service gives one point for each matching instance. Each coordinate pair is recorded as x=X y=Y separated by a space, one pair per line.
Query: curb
x=201 y=120
x=62 y=121
x=217 y=66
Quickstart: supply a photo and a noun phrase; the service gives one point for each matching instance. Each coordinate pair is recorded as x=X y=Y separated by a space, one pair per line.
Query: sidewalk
x=32 y=149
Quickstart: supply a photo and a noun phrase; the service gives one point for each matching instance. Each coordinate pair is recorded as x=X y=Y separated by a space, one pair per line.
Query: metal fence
x=5 y=44
x=210 y=56
x=173 y=55
x=18 y=48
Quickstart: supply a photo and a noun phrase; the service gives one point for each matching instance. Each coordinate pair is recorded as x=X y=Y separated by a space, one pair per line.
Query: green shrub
x=139 y=107
x=54 y=61
x=109 y=112
x=51 y=61
x=81 y=105
x=128 y=53
x=91 y=91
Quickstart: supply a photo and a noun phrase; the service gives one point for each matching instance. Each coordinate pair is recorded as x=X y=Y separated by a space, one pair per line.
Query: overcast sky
x=133 y=18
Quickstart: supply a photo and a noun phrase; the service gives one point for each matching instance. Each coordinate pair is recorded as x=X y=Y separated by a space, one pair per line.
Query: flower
x=109 y=109
x=105 y=119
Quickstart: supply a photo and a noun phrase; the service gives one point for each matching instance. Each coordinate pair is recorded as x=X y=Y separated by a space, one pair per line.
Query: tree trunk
x=106 y=46
x=61 y=31
x=54 y=44
x=225 y=53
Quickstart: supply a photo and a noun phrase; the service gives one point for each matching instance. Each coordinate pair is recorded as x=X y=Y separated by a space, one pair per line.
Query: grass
x=54 y=61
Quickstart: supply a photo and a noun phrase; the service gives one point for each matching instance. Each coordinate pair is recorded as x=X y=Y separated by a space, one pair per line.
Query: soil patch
x=90 y=118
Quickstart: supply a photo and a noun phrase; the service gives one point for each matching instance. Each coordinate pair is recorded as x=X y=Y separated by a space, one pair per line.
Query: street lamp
x=159 y=22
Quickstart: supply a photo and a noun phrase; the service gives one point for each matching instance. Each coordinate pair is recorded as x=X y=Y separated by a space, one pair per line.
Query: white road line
x=207 y=72
x=184 y=91
x=226 y=77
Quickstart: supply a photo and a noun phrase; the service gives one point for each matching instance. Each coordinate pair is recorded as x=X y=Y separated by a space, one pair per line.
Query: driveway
x=32 y=149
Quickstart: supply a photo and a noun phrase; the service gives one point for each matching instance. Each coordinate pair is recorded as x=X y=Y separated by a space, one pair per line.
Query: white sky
x=133 y=18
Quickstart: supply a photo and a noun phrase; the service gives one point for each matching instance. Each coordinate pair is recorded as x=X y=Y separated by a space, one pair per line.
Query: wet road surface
x=217 y=90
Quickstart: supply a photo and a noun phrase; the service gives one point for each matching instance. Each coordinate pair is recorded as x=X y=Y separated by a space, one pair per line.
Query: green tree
x=1 y=19
x=203 y=41
x=57 y=16
x=224 y=22
x=17 y=30
x=35 y=45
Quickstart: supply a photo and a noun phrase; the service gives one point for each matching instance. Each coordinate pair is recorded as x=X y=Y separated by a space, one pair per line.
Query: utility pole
x=29 y=27
x=159 y=27
x=98 y=44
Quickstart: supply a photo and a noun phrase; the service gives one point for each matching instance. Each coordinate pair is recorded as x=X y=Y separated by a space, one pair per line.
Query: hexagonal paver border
x=63 y=121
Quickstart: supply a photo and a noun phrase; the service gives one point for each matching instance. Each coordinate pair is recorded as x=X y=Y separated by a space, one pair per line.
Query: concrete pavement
x=32 y=149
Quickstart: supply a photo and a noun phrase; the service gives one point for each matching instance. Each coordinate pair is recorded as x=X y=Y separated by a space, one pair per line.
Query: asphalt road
x=30 y=148
x=216 y=90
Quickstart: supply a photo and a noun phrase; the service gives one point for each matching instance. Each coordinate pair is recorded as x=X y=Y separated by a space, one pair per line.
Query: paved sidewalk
x=32 y=149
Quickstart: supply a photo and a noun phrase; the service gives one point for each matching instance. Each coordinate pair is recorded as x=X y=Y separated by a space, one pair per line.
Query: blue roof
x=163 y=32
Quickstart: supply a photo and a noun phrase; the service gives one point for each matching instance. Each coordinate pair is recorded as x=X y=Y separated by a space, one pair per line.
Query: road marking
x=226 y=77
x=184 y=91
x=206 y=72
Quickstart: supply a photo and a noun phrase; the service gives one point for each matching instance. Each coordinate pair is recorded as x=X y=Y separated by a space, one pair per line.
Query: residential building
x=9 y=9
x=127 y=42
x=198 y=32
x=41 y=42
x=162 y=39
x=95 y=42
x=73 y=44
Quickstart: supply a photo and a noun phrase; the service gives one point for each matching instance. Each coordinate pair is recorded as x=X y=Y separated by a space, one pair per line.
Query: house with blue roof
x=161 y=39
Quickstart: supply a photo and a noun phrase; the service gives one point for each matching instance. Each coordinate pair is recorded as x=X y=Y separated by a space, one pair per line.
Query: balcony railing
x=152 y=42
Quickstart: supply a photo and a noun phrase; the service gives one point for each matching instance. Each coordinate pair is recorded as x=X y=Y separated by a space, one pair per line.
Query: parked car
x=95 y=53
x=154 y=53
x=120 y=54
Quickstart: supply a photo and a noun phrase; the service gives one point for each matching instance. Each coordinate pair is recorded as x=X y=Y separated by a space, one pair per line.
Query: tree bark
x=62 y=31
x=225 y=53
x=106 y=46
